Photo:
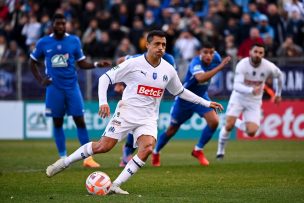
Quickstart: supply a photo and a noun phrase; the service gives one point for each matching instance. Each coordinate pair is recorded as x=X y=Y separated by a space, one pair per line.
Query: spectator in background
x=46 y=25
x=125 y=48
x=91 y=39
x=104 y=19
x=2 y=46
x=294 y=6
x=247 y=44
x=149 y=21
x=4 y=12
x=116 y=33
x=244 y=27
x=289 y=49
x=265 y=29
x=230 y=47
x=271 y=47
x=276 y=22
x=136 y=32
x=12 y=53
x=88 y=14
x=186 y=46
x=107 y=47
x=31 y=30
x=254 y=12
x=295 y=28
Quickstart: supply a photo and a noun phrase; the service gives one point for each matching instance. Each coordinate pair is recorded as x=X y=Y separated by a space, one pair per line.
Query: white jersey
x=247 y=76
x=145 y=86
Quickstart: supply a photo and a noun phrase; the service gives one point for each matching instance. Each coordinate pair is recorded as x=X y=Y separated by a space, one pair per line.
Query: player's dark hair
x=57 y=16
x=207 y=45
x=153 y=33
x=258 y=45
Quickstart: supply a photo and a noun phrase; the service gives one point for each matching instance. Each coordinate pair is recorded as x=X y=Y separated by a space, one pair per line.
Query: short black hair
x=153 y=33
x=57 y=16
x=257 y=44
x=207 y=45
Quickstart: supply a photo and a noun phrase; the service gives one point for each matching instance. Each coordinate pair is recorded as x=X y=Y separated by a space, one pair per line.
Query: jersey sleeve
x=38 y=51
x=239 y=78
x=119 y=72
x=175 y=86
x=78 y=51
x=196 y=67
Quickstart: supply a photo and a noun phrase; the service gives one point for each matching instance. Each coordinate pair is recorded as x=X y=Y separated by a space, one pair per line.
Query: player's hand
x=277 y=99
x=104 y=63
x=225 y=61
x=104 y=111
x=257 y=90
x=217 y=107
x=46 y=81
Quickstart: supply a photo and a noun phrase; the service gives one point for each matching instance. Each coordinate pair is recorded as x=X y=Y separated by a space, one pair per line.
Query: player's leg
x=54 y=102
x=127 y=150
x=224 y=136
x=75 y=107
x=212 y=123
x=180 y=113
x=252 y=118
x=145 y=147
x=234 y=110
x=104 y=145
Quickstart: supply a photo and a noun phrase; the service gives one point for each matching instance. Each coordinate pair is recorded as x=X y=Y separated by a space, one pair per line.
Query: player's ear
x=147 y=45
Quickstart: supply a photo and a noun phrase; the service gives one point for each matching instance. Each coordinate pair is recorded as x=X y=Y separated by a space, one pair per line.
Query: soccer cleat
x=201 y=157
x=155 y=159
x=117 y=190
x=55 y=168
x=90 y=163
x=220 y=156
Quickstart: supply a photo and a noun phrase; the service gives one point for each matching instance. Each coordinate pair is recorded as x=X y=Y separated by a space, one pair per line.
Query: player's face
x=207 y=55
x=157 y=46
x=59 y=27
x=256 y=54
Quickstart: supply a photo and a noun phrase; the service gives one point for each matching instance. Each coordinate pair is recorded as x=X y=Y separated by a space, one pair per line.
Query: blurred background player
x=251 y=74
x=128 y=148
x=201 y=69
x=60 y=51
x=146 y=78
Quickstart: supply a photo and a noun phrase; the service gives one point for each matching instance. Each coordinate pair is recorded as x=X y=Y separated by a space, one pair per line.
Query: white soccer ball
x=98 y=183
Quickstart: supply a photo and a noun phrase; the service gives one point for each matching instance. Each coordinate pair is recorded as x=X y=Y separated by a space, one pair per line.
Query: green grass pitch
x=253 y=171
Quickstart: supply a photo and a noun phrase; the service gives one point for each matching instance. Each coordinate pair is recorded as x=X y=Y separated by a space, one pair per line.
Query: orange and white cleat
x=155 y=159
x=90 y=163
x=201 y=157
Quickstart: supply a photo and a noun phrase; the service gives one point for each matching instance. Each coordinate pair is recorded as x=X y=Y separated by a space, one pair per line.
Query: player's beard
x=59 y=33
x=256 y=61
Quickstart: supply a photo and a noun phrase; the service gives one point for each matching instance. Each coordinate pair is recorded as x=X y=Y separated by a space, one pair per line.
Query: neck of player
x=153 y=60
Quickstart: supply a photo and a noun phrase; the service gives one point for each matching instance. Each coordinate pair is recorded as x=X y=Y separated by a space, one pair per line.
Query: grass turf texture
x=252 y=171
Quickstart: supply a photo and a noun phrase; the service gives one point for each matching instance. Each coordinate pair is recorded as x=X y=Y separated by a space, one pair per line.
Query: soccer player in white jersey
x=246 y=98
x=146 y=77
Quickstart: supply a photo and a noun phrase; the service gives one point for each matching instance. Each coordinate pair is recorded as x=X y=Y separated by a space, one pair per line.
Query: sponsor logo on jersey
x=60 y=60
x=197 y=67
x=154 y=76
x=252 y=83
x=116 y=122
x=149 y=91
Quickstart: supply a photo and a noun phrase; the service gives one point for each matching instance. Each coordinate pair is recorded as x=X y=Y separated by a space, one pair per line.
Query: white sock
x=82 y=152
x=240 y=124
x=131 y=168
x=223 y=138
x=196 y=148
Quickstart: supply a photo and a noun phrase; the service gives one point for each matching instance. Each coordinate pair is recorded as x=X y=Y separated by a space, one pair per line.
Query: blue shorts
x=63 y=101
x=182 y=110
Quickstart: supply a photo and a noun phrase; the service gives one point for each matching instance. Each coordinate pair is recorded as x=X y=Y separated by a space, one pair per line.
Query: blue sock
x=161 y=142
x=83 y=136
x=128 y=148
x=60 y=141
x=205 y=137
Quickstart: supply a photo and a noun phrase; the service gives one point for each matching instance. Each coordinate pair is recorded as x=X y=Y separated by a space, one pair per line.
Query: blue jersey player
x=60 y=52
x=128 y=148
x=201 y=69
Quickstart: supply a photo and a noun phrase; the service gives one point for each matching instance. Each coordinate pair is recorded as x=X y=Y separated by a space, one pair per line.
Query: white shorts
x=251 y=111
x=119 y=126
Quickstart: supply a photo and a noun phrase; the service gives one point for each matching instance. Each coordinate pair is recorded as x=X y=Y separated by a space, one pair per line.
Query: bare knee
x=213 y=124
x=251 y=129
x=146 y=150
x=251 y=132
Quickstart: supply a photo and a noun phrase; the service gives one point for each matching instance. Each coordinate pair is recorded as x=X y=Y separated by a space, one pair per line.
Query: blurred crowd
x=114 y=28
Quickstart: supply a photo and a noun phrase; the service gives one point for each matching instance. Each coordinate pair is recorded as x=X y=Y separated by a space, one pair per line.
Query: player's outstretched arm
x=103 y=84
x=83 y=64
x=191 y=97
x=44 y=81
x=205 y=76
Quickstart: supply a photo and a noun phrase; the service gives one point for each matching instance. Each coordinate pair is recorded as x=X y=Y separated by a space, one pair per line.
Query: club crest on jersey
x=154 y=76
x=59 y=47
x=60 y=60
x=165 y=78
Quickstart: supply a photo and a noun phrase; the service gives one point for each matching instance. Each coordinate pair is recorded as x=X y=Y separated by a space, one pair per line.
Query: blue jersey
x=59 y=59
x=196 y=66
x=167 y=57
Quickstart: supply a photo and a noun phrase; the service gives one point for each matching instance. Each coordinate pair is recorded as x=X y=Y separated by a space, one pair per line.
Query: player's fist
x=104 y=111
x=46 y=81
x=225 y=61
x=216 y=106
